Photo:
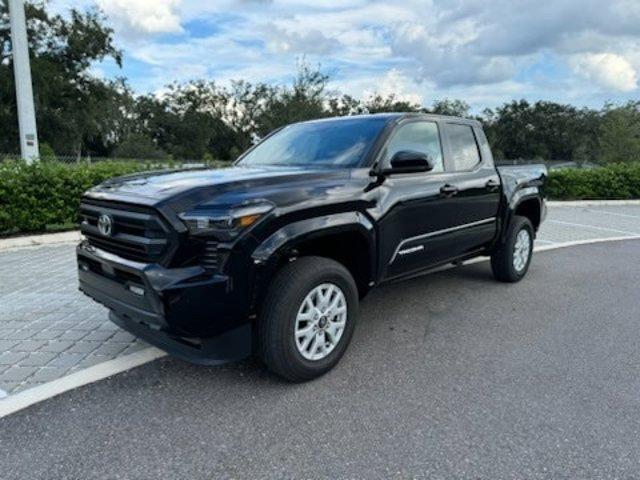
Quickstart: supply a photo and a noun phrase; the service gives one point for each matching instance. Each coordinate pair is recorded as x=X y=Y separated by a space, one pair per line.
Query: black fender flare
x=526 y=193
x=296 y=232
x=274 y=249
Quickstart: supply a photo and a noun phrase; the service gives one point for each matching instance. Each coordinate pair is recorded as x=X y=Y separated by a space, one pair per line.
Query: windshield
x=338 y=143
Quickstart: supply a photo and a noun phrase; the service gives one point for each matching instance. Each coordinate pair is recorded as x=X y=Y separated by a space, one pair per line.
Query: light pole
x=24 y=89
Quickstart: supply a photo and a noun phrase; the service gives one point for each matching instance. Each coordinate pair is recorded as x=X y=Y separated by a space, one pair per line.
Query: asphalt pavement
x=49 y=330
x=451 y=375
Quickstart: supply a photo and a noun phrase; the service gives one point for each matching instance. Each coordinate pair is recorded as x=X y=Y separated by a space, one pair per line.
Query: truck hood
x=225 y=186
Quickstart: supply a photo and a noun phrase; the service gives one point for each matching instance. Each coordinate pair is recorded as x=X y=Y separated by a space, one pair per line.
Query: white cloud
x=310 y=42
x=581 y=51
x=391 y=82
x=143 y=16
x=607 y=70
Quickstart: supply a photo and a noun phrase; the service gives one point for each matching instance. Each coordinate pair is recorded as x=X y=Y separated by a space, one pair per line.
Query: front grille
x=210 y=257
x=138 y=233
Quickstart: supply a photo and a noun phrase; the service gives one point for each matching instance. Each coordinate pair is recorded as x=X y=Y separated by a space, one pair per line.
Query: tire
x=507 y=261
x=307 y=281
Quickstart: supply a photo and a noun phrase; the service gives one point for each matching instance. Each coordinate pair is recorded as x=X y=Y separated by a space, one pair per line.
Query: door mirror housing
x=408 y=161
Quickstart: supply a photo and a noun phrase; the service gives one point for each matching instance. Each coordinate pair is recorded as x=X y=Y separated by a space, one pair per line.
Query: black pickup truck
x=274 y=254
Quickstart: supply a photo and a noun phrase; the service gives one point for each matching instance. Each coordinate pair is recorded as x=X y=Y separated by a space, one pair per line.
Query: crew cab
x=273 y=255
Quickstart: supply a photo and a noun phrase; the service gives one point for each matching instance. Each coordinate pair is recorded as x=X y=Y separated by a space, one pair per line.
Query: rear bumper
x=186 y=311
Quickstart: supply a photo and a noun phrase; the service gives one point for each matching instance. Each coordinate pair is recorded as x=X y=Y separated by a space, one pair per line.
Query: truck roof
x=396 y=116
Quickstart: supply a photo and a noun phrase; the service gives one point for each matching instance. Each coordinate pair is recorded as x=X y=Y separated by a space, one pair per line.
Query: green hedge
x=45 y=196
x=615 y=181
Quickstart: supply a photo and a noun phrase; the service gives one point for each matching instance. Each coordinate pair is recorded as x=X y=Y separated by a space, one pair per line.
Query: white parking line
x=604 y=229
x=541 y=240
x=575 y=243
x=29 y=397
x=26 y=398
x=591 y=203
x=615 y=214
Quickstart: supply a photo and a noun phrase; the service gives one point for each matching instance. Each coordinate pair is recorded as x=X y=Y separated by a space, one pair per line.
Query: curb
x=40 y=240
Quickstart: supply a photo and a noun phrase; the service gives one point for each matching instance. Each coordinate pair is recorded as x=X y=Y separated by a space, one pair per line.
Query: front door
x=416 y=211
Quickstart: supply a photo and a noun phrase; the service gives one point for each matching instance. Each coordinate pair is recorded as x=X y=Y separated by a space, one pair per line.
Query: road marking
x=590 y=203
x=540 y=240
x=604 y=229
x=26 y=398
x=3 y=394
x=626 y=215
x=29 y=397
x=576 y=243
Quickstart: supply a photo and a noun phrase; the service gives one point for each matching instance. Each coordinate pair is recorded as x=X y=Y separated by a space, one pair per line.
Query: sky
x=583 y=52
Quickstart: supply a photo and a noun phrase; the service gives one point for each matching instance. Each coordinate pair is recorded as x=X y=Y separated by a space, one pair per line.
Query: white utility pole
x=24 y=89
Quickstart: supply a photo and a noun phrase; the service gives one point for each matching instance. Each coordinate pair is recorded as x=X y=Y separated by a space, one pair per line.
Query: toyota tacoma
x=274 y=254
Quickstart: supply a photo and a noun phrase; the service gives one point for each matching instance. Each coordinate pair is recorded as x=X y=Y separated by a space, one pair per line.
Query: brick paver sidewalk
x=49 y=329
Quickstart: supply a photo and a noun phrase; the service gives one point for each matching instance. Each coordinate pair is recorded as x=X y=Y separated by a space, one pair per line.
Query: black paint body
x=384 y=226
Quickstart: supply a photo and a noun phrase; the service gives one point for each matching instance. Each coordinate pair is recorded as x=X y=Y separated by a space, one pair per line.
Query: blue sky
x=583 y=52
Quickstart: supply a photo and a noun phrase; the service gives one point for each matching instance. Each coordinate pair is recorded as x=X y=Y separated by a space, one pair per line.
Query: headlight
x=228 y=223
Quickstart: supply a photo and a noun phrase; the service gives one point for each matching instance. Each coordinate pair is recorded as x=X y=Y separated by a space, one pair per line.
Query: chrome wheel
x=521 y=250
x=320 y=321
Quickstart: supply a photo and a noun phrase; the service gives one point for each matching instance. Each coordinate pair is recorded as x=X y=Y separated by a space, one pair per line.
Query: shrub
x=47 y=153
x=37 y=197
x=615 y=181
x=46 y=195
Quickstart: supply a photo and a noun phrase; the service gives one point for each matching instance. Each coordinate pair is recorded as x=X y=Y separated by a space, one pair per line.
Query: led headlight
x=227 y=223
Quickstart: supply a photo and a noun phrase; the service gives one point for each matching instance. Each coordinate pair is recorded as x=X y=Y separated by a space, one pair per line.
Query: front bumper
x=186 y=311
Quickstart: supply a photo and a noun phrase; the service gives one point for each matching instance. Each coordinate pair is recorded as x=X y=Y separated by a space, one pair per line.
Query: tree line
x=79 y=114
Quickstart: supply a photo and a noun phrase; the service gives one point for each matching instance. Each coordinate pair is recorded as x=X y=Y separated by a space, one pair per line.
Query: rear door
x=475 y=187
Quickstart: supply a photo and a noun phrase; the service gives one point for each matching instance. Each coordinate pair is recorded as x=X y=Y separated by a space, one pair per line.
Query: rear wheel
x=308 y=318
x=510 y=262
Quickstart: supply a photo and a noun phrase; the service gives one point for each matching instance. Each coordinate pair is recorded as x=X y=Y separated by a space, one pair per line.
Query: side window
x=420 y=137
x=464 y=149
x=485 y=149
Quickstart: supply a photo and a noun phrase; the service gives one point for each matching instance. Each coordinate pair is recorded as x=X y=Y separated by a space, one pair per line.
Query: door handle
x=448 y=190
x=492 y=185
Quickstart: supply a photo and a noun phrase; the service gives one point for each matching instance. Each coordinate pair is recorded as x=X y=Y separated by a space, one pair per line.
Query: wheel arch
x=531 y=208
x=348 y=238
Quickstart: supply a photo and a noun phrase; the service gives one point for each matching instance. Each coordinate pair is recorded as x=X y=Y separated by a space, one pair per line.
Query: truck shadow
x=405 y=307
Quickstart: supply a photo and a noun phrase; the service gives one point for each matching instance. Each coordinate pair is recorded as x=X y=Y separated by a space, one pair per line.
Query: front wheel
x=511 y=260
x=308 y=318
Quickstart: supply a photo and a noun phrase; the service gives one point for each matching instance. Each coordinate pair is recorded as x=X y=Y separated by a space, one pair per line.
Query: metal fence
x=172 y=163
x=550 y=164
x=154 y=162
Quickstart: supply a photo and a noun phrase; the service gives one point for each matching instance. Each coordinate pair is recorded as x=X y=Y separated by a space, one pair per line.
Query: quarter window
x=464 y=149
x=420 y=137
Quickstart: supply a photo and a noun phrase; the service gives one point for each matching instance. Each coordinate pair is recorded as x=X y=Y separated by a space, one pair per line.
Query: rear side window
x=420 y=137
x=464 y=149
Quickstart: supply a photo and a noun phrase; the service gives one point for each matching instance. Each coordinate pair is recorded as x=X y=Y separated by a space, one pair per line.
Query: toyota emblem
x=105 y=225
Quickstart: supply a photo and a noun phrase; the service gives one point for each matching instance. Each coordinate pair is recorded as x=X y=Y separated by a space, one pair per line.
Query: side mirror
x=407 y=161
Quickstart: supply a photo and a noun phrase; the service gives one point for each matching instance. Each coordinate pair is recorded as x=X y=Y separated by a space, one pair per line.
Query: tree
x=453 y=107
x=390 y=103
x=545 y=130
x=187 y=120
x=75 y=112
x=619 y=133
x=139 y=146
x=305 y=100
